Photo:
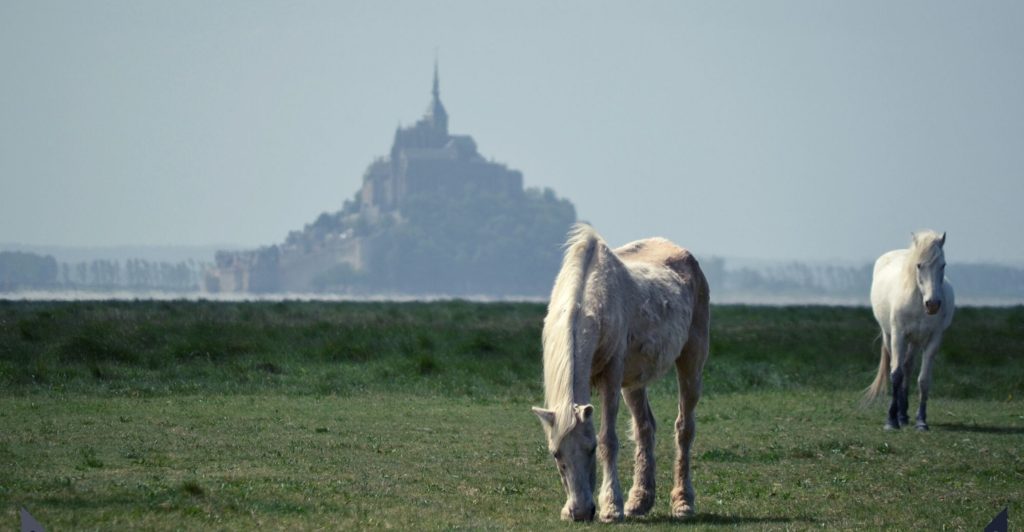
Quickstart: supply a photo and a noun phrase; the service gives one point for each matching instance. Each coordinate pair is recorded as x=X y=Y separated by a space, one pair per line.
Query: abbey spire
x=437 y=89
x=436 y=114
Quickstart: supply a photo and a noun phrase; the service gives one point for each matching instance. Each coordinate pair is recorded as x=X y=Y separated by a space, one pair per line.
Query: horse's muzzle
x=932 y=306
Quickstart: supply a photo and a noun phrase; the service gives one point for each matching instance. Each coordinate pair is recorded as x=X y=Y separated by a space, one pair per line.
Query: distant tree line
x=971 y=282
x=21 y=271
x=26 y=270
x=467 y=266
x=798 y=279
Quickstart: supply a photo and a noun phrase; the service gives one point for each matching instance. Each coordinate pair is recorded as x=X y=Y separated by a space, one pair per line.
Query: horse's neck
x=567 y=380
x=581 y=379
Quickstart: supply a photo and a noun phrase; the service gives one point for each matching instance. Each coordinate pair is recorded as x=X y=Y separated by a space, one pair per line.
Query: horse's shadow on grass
x=719 y=519
x=983 y=429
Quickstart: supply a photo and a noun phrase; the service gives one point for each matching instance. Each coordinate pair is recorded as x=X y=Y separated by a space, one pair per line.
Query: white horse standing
x=913 y=304
x=618 y=320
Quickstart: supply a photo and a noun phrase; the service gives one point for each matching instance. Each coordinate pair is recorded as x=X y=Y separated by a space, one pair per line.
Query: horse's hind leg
x=688 y=368
x=899 y=351
x=641 y=495
x=924 y=380
x=908 y=370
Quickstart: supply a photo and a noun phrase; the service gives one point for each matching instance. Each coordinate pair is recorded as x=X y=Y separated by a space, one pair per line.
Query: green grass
x=152 y=415
x=161 y=348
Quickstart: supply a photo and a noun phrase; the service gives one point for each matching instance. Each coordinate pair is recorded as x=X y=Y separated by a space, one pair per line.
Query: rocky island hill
x=432 y=217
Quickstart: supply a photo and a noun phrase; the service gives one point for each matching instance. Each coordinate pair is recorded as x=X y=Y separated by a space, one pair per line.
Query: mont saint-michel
x=433 y=216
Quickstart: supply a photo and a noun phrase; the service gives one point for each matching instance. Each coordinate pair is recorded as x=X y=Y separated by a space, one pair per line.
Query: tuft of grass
x=426 y=365
x=192 y=488
x=97 y=342
x=269 y=367
x=89 y=458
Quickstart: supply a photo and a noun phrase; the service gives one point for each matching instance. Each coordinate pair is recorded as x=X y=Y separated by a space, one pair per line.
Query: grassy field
x=170 y=415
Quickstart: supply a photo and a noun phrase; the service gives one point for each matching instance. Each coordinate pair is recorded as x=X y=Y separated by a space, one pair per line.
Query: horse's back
x=662 y=252
x=889 y=264
x=884 y=279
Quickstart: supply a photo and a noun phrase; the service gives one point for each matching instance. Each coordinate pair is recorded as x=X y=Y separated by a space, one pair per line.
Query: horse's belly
x=645 y=365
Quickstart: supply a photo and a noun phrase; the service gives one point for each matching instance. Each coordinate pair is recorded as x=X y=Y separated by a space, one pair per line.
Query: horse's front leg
x=610 y=496
x=641 y=495
x=924 y=380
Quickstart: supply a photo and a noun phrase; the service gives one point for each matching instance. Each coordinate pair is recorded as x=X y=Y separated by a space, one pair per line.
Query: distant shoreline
x=727 y=299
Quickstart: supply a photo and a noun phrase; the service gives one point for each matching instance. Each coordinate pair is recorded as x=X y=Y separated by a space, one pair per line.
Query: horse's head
x=571 y=441
x=931 y=267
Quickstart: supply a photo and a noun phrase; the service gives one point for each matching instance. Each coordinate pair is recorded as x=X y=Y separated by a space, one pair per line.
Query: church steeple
x=436 y=114
x=437 y=85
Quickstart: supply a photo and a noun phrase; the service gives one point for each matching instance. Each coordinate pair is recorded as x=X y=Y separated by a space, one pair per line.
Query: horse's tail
x=562 y=320
x=878 y=387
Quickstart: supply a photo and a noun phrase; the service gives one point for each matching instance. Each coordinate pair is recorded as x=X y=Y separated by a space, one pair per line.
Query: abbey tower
x=426 y=159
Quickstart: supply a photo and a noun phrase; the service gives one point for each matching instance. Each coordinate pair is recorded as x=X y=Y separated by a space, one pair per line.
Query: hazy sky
x=788 y=129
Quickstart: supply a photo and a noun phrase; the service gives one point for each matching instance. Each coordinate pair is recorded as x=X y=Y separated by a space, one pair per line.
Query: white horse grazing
x=620 y=320
x=913 y=304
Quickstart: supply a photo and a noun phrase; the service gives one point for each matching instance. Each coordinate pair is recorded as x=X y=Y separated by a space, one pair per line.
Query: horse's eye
x=918 y=266
x=557 y=455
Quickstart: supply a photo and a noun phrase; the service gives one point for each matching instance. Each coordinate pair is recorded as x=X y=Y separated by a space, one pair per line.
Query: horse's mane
x=559 y=336
x=925 y=248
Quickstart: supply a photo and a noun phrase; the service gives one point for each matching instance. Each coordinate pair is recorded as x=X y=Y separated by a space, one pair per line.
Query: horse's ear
x=547 y=417
x=942 y=240
x=913 y=238
x=583 y=412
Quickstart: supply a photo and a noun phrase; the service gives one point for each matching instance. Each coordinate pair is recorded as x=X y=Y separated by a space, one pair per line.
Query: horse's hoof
x=682 y=510
x=611 y=516
x=637 y=510
x=891 y=426
x=921 y=426
x=639 y=504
